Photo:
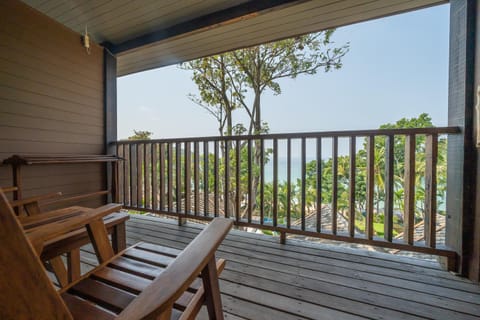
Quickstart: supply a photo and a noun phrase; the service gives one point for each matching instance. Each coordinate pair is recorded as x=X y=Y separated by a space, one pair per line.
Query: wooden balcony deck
x=302 y=280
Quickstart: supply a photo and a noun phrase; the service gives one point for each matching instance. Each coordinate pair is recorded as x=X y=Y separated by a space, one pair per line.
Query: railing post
x=206 y=197
x=334 y=183
x=319 y=185
x=351 y=217
x=226 y=189
x=431 y=155
x=370 y=186
x=275 y=182
x=303 y=183
x=262 y=181
x=181 y=220
x=237 y=180
x=409 y=187
x=283 y=237
x=388 y=214
x=188 y=177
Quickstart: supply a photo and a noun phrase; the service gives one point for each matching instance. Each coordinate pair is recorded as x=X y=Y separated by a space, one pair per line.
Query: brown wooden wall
x=51 y=100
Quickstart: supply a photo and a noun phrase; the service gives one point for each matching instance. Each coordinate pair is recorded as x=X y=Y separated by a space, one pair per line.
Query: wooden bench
x=70 y=242
x=142 y=282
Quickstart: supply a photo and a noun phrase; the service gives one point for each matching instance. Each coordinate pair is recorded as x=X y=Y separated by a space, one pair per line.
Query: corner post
x=462 y=164
x=110 y=124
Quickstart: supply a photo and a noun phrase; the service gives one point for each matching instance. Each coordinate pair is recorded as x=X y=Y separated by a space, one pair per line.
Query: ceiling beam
x=246 y=10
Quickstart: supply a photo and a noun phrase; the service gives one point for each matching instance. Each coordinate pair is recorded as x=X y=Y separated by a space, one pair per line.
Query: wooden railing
x=339 y=185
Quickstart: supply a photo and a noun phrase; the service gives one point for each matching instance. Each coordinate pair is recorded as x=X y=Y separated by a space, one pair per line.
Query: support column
x=462 y=166
x=110 y=103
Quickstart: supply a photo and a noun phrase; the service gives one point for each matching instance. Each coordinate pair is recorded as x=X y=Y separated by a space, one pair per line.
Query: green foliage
x=141 y=135
x=225 y=81
x=343 y=179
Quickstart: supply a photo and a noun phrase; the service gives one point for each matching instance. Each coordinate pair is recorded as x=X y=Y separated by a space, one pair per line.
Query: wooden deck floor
x=302 y=280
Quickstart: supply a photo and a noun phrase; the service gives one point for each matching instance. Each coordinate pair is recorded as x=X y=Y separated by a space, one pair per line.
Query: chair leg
x=166 y=315
x=59 y=270
x=212 y=291
x=73 y=265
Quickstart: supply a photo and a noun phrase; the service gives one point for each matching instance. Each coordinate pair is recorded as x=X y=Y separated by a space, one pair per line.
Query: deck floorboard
x=303 y=280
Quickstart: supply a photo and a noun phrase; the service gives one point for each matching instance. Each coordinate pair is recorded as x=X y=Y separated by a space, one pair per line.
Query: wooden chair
x=30 y=214
x=142 y=282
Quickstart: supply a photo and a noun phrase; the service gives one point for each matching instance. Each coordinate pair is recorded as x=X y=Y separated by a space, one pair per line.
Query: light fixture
x=86 y=40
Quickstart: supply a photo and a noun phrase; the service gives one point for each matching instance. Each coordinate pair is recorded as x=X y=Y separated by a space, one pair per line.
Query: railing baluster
x=319 y=185
x=139 y=177
x=146 y=180
x=188 y=177
x=334 y=183
x=216 y=181
x=170 y=177
x=178 y=176
x=289 y=181
x=370 y=186
x=237 y=180
x=119 y=177
x=430 y=223
x=126 y=176
x=409 y=189
x=154 y=161
x=131 y=167
x=249 y=173
x=162 y=168
x=303 y=184
x=389 y=181
x=206 y=196
x=262 y=181
x=196 y=176
x=226 y=198
x=275 y=182
x=352 y=180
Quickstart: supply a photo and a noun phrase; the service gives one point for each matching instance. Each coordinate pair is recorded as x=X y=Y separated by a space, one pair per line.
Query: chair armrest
x=9 y=189
x=22 y=202
x=39 y=235
x=171 y=283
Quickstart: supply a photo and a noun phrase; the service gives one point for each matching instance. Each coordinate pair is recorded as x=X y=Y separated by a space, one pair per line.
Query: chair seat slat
x=84 y=310
x=102 y=294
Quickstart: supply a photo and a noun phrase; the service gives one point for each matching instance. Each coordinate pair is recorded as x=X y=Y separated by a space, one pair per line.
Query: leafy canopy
x=141 y=135
x=229 y=81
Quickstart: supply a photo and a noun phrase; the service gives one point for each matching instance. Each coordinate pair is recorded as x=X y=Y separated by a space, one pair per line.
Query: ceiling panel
x=308 y=17
x=120 y=21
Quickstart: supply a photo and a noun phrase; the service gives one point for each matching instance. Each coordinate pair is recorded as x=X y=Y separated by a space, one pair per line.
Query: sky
x=396 y=67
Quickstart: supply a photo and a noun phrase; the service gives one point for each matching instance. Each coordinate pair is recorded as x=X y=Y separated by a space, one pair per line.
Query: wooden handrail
x=299 y=135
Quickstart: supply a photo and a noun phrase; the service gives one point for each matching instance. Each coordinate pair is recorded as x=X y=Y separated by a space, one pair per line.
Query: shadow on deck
x=301 y=280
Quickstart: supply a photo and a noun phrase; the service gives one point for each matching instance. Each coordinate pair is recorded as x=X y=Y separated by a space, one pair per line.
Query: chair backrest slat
x=26 y=292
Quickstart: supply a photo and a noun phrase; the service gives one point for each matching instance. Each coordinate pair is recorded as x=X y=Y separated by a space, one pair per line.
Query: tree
x=141 y=135
x=236 y=80
x=217 y=95
x=225 y=80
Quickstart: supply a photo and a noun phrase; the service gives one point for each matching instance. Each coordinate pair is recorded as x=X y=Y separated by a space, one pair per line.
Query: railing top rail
x=299 y=135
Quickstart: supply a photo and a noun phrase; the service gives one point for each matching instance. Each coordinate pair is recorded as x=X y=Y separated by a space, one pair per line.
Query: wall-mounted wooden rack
x=18 y=161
